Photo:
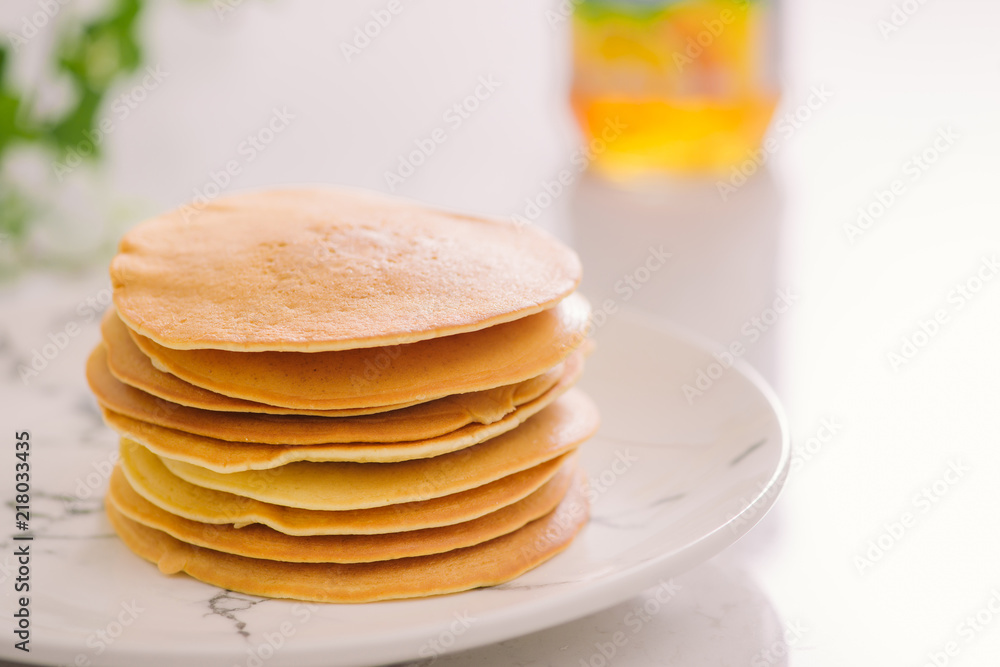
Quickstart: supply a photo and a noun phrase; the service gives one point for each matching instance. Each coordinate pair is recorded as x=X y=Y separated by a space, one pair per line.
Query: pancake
x=557 y=429
x=416 y=423
x=226 y=456
x=129 y=365
x=486 y=564
x=258 y=541
x=330 y=269
x=148 y=476
x=416 y=372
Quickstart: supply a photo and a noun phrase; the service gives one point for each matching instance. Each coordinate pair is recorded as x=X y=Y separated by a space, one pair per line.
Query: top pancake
x=309 y=270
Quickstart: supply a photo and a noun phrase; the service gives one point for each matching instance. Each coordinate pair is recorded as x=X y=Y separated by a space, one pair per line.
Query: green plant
x=93 y=56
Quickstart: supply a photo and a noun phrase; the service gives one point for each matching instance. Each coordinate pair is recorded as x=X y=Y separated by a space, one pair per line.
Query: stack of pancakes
x=329 y=395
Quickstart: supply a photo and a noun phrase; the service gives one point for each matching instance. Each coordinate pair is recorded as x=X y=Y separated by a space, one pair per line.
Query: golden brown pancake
x=486 y=564
x=225 y=456
x=310 y=270
x=151 y=479
x=129 y=365
x=258 y=541
x=417 y=423
x=500 y=355
x=557 y=429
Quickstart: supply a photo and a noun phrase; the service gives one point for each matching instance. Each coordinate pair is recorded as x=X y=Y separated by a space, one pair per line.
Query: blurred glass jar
x=680 y=86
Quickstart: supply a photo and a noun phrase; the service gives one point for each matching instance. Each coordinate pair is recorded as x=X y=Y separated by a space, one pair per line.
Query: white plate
x=675 y=483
